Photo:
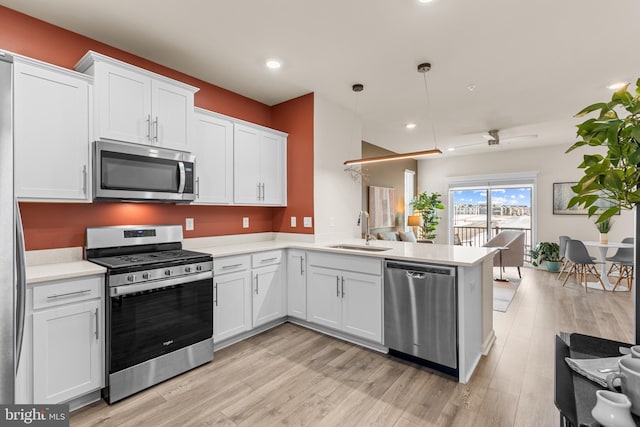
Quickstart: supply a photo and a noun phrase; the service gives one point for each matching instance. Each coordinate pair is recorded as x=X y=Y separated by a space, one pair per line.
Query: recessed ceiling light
x=451 y=149
x=410 y=125
x=616 y=86
x=273 y=64
x=471 y=87
x=425 y=1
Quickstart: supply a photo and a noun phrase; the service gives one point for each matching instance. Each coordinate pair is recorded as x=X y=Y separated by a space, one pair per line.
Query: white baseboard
x=488 y=343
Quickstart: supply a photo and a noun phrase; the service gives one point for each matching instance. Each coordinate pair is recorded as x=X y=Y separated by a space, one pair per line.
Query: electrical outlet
x=245 y=222
x=293 y=221
x=188 y=224
x=307 y=222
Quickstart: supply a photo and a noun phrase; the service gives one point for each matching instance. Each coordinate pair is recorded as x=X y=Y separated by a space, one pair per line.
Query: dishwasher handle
x=418 y=271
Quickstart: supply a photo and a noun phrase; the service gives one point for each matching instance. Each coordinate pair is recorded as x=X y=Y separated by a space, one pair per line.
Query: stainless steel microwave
x=124 y=171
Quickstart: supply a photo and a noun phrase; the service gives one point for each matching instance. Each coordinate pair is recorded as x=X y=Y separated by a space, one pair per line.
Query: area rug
x=503 y=292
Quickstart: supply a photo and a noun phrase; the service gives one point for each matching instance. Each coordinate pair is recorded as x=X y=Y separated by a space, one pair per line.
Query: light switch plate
x=293 y=221
x=307 y=222
x=245 y=222
x=188 y=224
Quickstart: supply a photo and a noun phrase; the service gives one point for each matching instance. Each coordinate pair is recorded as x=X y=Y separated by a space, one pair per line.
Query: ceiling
x=533 y=65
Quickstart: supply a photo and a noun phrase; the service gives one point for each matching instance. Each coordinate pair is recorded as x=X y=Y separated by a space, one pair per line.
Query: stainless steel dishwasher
x=420 y=312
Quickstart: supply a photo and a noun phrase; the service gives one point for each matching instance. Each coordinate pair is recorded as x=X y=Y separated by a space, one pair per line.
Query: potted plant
x=604 y=227
x=548 y=252
x=612 y=177
x=427 y=205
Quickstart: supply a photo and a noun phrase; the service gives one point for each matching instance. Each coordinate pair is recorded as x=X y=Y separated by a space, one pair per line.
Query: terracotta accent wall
x=55 y=225
x=296 y=116
x=37 y=39
x=58 y=225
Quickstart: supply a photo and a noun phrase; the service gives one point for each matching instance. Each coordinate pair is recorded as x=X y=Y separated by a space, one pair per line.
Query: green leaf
x=622 y=96
x=608 y=213
x=591 y=108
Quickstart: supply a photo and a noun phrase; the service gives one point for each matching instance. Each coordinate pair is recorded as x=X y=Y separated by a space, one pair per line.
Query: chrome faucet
x=367 y=236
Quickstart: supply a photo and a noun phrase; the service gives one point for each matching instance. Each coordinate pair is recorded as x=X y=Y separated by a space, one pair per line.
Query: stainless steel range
x=159 y=305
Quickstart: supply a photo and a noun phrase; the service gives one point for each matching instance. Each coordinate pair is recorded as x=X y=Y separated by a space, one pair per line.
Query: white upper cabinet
x=259 y=166
x=51 y=121
x=213 y=147
x=135 y=105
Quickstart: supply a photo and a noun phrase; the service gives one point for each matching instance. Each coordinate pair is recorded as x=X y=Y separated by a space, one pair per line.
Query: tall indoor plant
x=428 y=205
x=613 y=177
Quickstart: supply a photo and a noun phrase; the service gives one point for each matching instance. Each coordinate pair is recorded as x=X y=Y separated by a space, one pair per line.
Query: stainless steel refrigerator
x=12 y=271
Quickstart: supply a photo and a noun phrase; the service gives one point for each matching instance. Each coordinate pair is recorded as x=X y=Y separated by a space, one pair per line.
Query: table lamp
x=413 y=221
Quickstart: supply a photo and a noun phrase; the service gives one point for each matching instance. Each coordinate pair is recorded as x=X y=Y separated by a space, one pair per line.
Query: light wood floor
x=292 y=376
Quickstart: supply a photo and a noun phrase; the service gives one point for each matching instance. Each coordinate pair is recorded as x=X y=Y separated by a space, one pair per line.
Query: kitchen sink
x=361 y=248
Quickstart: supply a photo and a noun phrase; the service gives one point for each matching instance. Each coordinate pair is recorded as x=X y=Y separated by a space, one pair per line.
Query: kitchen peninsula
x=474 y=279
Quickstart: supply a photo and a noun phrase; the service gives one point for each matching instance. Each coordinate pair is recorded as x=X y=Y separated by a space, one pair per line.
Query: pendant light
x=422 y=68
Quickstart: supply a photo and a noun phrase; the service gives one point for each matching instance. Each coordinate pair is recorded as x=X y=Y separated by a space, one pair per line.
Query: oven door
x=147 y=322
x=138 y=172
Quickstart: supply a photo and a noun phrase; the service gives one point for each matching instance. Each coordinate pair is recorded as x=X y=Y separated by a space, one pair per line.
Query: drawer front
x=66 y=291
x=266 y=258
x=231 y=264
x=356 y=263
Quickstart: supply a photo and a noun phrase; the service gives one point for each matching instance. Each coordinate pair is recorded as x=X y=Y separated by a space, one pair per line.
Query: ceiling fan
x=492 y=139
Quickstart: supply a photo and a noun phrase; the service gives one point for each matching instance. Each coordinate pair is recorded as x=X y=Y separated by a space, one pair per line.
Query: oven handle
x=159 y=284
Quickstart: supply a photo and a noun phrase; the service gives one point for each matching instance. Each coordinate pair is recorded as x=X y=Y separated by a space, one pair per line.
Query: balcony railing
x=478 y=236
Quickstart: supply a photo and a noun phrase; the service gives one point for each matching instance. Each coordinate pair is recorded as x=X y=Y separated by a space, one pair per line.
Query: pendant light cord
x=433 y=127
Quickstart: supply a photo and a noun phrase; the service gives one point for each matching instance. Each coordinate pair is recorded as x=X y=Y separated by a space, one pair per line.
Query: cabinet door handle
x=197 y=187
x=262 y=197
x=68 y=294
x=301 y=265
x=258 y=191
x=269 y=259
x=226 y=267
x=215 y=294
x=342 y=286
x=84 y=180
x=148 y=127
x=256 y=284
x=338 y=286
x=95 y=313
x=155 y=134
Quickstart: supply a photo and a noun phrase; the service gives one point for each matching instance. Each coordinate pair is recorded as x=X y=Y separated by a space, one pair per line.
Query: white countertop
x=62 y=270
x=465 y=256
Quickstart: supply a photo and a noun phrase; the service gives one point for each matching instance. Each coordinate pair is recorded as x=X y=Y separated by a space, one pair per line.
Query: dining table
x=574 y=394
x=603 y=248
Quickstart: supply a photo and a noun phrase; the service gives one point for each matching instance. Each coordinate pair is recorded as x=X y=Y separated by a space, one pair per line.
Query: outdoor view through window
x=474 y=223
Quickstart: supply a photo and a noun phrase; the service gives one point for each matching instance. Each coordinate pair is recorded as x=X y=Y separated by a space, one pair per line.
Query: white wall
x=552 y=165
x=337 y=197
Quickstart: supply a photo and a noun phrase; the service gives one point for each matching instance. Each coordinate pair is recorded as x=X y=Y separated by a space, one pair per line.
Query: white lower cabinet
x=231 y=297
x=268 y=283
x=296 y=284
x=343 y=299
x=66 y=340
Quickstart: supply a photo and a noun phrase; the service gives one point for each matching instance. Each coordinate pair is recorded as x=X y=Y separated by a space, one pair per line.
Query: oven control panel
x=158 y=273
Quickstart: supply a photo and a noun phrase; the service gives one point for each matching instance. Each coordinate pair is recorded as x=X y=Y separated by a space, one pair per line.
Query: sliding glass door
x=480 y=213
